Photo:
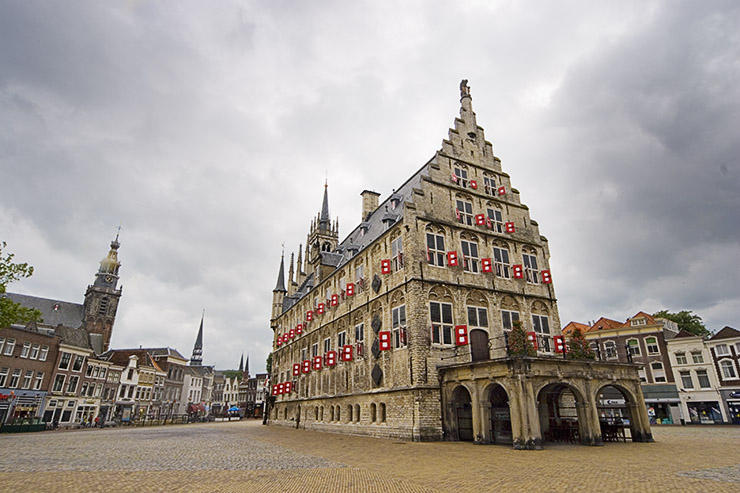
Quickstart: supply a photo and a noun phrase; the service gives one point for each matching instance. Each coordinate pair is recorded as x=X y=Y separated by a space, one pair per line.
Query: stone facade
x=441 y=254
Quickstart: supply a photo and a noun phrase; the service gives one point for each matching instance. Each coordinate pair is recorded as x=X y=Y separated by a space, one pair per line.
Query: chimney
x=369 y=203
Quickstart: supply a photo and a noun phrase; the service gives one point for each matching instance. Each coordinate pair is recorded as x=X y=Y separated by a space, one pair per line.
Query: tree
x=519 y=345
x=10 y=312
x=578 y=348
x=686 y=320
x=268 y=363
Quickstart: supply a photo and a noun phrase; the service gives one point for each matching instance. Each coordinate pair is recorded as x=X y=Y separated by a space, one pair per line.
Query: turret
x=102 y=297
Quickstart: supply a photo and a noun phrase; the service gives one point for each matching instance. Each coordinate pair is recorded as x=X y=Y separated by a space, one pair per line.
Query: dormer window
x=638 y=321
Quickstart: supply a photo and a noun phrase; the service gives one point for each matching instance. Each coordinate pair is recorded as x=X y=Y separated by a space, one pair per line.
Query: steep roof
x=725 y=333
x=683 y=333
x=53 y=312
x=572 y=326
x=641 y=314
x=605 y=324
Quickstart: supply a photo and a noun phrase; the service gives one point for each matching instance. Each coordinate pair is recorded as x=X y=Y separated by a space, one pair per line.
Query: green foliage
x=233 y=374
x=578 y=347
x=10 y=312
x=686 y=320
x=268 y=363
x=518 y=343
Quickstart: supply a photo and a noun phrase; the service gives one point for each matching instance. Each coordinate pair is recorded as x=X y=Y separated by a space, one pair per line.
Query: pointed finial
x=118 y=232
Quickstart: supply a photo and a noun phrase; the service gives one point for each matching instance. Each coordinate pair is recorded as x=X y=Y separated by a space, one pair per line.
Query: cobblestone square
x=246 y=456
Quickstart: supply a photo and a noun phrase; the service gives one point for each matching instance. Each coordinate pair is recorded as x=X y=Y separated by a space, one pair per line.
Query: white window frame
x=63 y=381
x=489 y=186
x=465 y=209
x=471 y=260
x=531 y=271
x=397 y=254
x=9 y=347
x=731 y=366
x=3 y=376
x=25 y=350
x=435 y=255
x=724 y=352
x=442 y=329
x=34 y=352
x=697 y=357
x=681 y=358
x=501 y=262
x=341 y=339
x=634 y=350
x=314 y=349
x=61 y=361
x=398 y=326
x=686 y=378
x=638 y=321
x=38 y=380
x=656 y=344
x=15 y=379
x=327 y=345
x=44 y=353
x=706 y=376
x=497 y=219
x=541 y=326
x=27 y=379
x=360 y=333
x=508 y=317
x=659 y=374
x=610 y=347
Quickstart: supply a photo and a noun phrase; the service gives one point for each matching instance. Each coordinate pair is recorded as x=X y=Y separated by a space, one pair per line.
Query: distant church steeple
x=241 y=363
x=102 y=296
x=323 y=237
x=197 y=358
x=278 y=294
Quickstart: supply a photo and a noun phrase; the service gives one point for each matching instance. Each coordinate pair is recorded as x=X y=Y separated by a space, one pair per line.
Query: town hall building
x=402 y=329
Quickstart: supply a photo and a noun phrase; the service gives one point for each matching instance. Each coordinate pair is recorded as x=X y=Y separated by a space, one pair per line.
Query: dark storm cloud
x=208 y=129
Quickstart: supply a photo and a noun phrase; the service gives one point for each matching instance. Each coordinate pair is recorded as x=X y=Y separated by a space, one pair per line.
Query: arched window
x=339 y=413
x=652 y=345
x=357 y=413
x=373 y=412
x=382 y=412
x=633 y=346
x=349 y=413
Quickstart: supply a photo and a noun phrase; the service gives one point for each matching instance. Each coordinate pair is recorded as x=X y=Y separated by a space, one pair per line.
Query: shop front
x=20 y=405
x=60 y=411
x=662 y=403
x=732 y=402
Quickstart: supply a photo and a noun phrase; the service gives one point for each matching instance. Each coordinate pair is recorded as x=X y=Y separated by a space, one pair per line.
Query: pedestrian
x=97 y=421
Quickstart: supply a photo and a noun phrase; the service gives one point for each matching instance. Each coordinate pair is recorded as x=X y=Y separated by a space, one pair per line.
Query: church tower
x=323 y=237
x=102 y=297
x=197 y=358
x=278 y=294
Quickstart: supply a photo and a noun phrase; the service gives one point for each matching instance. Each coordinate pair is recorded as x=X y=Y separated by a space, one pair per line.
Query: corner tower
x=323 y=236
x=102 y=297
x=278 y=294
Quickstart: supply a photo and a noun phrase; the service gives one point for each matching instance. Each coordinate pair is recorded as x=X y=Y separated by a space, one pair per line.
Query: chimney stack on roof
x=369 y=203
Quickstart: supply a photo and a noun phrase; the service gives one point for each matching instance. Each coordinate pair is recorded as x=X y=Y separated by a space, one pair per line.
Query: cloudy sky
x=206 y=129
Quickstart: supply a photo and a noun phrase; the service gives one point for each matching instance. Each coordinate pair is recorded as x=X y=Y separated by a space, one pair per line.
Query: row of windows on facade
x=11 y=378
x=353 y=413
x=28 y=350
x=461 y=178
x=442 y=328
x=724 y=349
x=501 y=261
x=609 y=348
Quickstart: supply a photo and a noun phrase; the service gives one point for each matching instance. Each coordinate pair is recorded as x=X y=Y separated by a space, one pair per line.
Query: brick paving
x=246 y=456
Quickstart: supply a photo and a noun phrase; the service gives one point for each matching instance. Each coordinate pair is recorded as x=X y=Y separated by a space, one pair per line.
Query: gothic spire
x=197 y=358
x=241 y=363
x=324 y=220
x=280 y=285
x=246 y=366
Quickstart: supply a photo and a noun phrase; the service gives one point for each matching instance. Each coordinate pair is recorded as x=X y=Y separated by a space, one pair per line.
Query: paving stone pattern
x=246 y=456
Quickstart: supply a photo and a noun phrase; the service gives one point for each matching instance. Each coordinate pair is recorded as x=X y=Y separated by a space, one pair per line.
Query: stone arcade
x=401 y=330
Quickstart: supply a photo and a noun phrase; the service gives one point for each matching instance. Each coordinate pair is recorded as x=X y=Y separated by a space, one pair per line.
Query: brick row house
x=640 y=339
x=724 y=347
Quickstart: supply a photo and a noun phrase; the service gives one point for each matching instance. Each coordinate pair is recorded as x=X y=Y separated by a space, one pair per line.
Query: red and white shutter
x=452 y=258
x=275 y=389
x=279 y=340
x=461 y=335
x=309 y=315
x=306 y=366
x=288 y=387
x=296 y=369
x=518 y=271
x=480 y=220
x=317 y=362
x=532 y=338
x=350 y=289
x=291 y=333
x=334 y=300
x=347 y=352
x=559 y=344
x=546 y=277
x=299 y=329
x=473 y=184
x=331 y=358
x=281 y=388
x=385 y=266
x=384 y=337
x=320 y=309
x=510 y=228
x=453 y=178
x=486 y=265
x=502 y=190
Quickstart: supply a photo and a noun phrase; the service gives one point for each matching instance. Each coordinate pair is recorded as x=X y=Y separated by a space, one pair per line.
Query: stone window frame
x=466 y=213
x=489 y=185
x=501 y=268
x=680 y=358
x=471 y=263
x=686 y=377
x=730 y=364
x=706 y=376
x=460 y=170
x=697 y=357
x=327 y=344
x=435 y=256
x=397 y=253
x=531 y=274
x=341 y=339
x=398 y=329
x=445 y=328
x=546 y=344
x=496 y=215
x=510 y=315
